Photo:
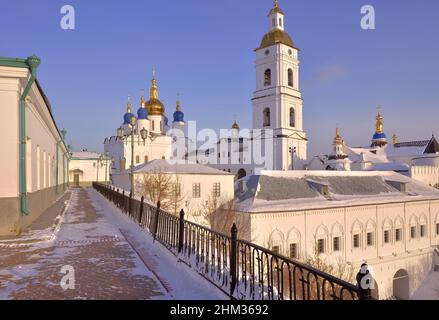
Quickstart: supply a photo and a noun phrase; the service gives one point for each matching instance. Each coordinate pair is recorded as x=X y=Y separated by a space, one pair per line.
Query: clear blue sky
x=204 y=50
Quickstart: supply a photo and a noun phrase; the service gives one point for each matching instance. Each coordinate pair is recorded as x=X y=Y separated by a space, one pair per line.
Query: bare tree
x=158 y=186
x=338 y=267
x=219 y=214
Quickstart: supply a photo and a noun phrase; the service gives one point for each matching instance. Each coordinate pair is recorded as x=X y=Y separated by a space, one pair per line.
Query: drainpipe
x=33 y=62
x=63 y=135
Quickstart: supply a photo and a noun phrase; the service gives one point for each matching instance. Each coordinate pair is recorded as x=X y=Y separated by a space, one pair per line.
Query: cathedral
x=147 y=130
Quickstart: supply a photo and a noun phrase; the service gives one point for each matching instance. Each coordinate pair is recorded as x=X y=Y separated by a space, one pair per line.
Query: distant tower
x=178 y=116
x=338 y=144
x=395 y=139
x=277 y=101
x=379 y=138
x=156 y=109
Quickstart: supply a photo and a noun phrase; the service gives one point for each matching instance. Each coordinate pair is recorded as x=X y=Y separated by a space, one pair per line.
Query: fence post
x=181 y=231
x=141 y=210
x=130 y=204
x=233 y=260
x=156 y=222
x=365 y=283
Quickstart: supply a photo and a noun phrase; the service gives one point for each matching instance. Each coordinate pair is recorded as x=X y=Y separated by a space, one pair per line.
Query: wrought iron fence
x=240 y=268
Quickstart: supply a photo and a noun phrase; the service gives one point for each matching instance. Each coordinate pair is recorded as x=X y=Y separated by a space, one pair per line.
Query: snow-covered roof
x=275 y=191
x=179 y=167
x=85 y=155
x=390 y=166
x=373 y=155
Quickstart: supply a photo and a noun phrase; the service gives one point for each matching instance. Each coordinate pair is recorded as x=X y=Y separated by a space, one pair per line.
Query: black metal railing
x=239 y=268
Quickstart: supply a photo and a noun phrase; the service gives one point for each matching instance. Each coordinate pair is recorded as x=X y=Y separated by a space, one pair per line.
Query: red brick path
x=106 y=266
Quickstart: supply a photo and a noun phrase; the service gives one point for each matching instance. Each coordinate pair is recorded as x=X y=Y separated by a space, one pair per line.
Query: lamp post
x=106 y=166
x=98 y=162
x=121 y=135
x=292 y=150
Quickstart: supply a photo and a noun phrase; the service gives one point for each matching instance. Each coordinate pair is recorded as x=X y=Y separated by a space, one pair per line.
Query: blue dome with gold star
x=127 y=116
x=178 y=114
x=142 y=113
x=378 y=136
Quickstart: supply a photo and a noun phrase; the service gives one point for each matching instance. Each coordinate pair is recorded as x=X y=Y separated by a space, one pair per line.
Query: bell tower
x=277 y=101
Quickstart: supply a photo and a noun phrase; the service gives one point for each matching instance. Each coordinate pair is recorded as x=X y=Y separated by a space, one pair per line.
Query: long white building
x=385 y=219
x=34 y=158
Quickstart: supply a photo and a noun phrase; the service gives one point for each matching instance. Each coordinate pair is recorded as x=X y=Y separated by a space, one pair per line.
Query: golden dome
x=154 y=105
x=235 y=124
x=276 y=36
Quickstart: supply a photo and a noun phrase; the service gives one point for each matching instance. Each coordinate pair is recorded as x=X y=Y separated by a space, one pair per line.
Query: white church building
x=152 y=122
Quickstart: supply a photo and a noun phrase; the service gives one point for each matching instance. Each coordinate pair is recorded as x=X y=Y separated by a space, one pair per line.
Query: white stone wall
x=427 y=174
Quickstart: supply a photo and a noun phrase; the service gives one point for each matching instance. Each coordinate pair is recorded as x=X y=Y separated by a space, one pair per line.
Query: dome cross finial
x=178 y=107
x=129 y=104
x=276 y=4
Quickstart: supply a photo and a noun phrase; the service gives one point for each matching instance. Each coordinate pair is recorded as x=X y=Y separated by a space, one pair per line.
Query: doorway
x=76 y=180
x=401 y=285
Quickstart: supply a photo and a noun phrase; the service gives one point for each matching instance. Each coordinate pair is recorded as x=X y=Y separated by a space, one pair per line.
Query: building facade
x=34 y=160
x=197 y=184
x=87 y=167
x=387 y=220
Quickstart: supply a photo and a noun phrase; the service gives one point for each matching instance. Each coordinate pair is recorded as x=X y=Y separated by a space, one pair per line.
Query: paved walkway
x=104 y=263
x=111 y=256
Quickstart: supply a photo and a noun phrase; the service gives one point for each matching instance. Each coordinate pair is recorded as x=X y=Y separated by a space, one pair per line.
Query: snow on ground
x=39 y=236
x=181 y=281
x=429 y=289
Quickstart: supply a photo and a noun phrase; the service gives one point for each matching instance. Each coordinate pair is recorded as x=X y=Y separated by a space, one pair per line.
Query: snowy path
x=111 y=256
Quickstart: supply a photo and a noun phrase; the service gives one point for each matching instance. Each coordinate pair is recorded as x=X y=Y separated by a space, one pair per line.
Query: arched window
x=267 y=78
x=273 y=22
x=290 y=78
x=266 y=117
x=292 y=118
x=280 y=22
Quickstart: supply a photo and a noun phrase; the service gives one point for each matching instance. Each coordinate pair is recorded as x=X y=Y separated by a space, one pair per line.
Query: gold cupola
x=154 y=106
x=277 y=33
x=395 y=138
x=235 y=124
